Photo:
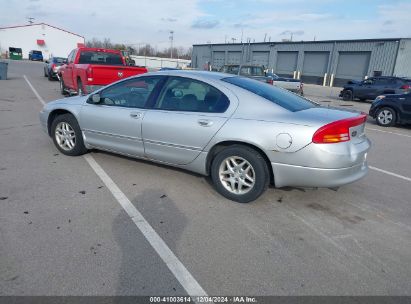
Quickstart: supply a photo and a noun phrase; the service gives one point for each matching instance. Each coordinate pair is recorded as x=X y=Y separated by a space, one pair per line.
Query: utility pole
x=30 y=19
x=171 y=42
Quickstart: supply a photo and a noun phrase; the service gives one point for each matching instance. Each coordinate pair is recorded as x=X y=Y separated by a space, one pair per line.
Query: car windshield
x=281 y=97
x=95 y=57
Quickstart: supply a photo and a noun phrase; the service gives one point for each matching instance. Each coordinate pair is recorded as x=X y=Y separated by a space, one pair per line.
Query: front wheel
x=386 y=117
x=67 y=135
x=240 y=173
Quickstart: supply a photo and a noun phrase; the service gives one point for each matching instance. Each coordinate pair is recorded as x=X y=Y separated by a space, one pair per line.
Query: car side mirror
x=95 y=98
x=46 y=61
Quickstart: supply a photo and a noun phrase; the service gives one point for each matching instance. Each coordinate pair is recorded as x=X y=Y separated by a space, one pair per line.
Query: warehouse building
x=331 y=62
x=51 y=40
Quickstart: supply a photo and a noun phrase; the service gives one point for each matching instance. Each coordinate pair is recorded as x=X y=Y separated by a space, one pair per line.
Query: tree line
x=142 y=49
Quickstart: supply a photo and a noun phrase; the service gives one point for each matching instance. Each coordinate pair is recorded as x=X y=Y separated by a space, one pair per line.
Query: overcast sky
x=202 y=21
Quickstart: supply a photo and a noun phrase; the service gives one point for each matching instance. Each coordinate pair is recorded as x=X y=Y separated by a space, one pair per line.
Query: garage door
x=286 y=62
x=218 y=59
x=261 y=58
x=315 y=63
x=234 y=58
x=353 y=65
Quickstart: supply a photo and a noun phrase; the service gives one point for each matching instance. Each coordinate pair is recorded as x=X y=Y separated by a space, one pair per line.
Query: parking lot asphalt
x=63 y=233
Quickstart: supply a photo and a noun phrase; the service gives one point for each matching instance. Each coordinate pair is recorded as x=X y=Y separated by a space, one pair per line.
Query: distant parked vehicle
x=251 y=71
x=291 y=84
x=89 y=69
x=15 y=53
x=389 y=110
x=257 y=72
x=35 y=55
x=374 y=86
x=52 y=66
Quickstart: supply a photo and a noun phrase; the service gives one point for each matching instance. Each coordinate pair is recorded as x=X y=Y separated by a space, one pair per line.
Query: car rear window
x=281 y=97
x=90 y=57
x=37 y=52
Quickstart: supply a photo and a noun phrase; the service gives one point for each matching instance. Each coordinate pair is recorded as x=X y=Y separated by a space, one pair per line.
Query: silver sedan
x=243 y=133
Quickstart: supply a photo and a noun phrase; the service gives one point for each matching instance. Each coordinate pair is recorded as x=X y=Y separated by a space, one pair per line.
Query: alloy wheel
x=65 y=136
x=237 y=175
x=385 y=117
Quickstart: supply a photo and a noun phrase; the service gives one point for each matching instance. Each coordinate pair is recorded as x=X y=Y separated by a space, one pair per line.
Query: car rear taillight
x=53 y=67
x=89 y=74
x=337 y=131
x=270 y=81
x=406 y=87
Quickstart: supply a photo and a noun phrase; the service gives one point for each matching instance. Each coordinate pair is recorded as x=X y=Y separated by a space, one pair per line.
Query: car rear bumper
x=298 y=176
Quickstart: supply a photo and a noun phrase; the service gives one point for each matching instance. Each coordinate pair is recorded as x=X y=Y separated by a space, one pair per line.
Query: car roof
x=187 y=73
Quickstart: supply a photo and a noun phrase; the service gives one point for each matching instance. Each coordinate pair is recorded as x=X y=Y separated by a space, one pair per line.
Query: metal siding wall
x=382 y=53
x=403 y=63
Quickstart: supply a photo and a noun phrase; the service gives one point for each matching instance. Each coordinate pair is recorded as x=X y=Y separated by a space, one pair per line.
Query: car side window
x=369 y=81
x=131 y=93
x=189 y=95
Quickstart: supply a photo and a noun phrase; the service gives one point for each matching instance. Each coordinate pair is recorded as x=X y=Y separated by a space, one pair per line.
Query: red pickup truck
x=88 y=69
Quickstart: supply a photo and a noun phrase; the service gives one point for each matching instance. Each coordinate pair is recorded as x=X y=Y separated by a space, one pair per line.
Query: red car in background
x=88 y=69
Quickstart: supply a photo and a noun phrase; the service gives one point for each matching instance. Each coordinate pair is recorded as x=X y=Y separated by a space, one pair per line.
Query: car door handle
x=136 y=115
x=205 y=122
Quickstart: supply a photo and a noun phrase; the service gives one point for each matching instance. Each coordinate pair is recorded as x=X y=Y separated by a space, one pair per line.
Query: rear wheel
x=386 y=117
x=347 y=95
x=240 y=173
x=50 y=77
x=67 y=135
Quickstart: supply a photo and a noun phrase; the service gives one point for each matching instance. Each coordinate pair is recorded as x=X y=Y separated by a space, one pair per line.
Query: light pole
x=171 y=43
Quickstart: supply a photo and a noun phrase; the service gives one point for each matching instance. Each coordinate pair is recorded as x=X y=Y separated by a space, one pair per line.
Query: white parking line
x=185 y=278
x=390 y=173
x=180 y=272
x=399 y=134
x=34 y=90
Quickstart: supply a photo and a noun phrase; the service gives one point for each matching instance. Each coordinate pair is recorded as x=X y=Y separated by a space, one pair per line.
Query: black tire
x=386 y=117
x=45 y=73
x=347 y=95
x=255 y=159
x=79 y=147
x=63 y=89
x=363 y=99
x=80 y=89
x=49 y=76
